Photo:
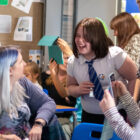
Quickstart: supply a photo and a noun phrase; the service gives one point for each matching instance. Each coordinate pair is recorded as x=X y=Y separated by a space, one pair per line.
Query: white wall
x=53 y=23
x=53 y=17
x=104 y=9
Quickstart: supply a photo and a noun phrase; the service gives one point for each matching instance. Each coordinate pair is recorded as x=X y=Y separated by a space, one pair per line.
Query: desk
x=61 y=108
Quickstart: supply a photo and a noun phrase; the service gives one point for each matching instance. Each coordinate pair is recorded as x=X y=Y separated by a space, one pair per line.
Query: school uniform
x=78 y=69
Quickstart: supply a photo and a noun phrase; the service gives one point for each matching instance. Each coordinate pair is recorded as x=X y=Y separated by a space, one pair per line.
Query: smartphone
x=111 y=78
x=56 y=53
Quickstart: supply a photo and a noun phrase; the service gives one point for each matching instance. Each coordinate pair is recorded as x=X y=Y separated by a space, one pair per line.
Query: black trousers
x=98 y=118
x=92 y=118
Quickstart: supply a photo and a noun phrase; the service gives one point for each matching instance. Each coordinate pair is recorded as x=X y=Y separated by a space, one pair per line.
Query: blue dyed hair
x=8 y=57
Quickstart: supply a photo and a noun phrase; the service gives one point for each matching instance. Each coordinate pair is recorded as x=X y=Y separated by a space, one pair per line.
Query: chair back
x=85 y=131
x=89 y=131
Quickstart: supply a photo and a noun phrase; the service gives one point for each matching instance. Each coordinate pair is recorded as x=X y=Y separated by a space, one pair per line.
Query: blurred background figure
x=128 y=34
x=54 y=79
x=32 y=72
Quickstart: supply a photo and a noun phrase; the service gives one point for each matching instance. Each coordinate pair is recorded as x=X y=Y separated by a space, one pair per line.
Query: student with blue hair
x=20 y=99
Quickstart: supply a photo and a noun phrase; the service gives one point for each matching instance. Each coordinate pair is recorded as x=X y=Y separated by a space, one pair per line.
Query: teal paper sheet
x=47 y=41
x=56 y=53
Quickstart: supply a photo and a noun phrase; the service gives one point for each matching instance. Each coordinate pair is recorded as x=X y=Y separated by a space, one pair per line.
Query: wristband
x=39 y=123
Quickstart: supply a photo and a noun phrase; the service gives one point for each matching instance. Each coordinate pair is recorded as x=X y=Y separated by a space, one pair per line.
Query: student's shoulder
x=29 y=87
x=136 y=37
x=25 y=82
x=117 y=56
x=115 y=51
x=72 y=59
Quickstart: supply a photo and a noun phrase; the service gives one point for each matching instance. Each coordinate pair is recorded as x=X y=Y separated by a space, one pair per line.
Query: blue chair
x=86 y=131
x=46 y=91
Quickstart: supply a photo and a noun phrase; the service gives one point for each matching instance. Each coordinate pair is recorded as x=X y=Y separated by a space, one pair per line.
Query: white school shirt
x=78 y=69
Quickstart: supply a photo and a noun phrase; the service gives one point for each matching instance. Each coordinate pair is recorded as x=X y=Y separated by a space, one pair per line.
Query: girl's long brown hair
x=94 y=33
x=126 y=27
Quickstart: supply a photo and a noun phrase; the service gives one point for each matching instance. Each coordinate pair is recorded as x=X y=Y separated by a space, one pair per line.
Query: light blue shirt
x=79 y=111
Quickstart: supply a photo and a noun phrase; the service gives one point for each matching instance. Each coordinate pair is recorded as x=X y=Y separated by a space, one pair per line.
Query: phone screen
x=111 y=78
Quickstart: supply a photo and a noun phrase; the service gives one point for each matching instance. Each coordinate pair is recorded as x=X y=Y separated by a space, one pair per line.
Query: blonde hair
x=33 y=68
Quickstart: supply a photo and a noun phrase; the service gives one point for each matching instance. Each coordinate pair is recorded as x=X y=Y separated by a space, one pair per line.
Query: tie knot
x=90 y=62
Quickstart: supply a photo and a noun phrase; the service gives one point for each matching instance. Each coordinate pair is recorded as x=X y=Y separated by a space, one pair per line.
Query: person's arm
x=39 y=103
x=64 y=46
x=76 y=90
x=53 y=66
x=128 y=70
x=36 y=131
x=41 y=106
x=72 y=85
x=9 y=137
x=126 y=100
x=63 y=92
x=137 y=90
x=131 y=107
x=122 y=129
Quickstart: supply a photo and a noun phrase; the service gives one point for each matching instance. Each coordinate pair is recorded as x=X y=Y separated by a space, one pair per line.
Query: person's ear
x=11 y=71
x=36 y=75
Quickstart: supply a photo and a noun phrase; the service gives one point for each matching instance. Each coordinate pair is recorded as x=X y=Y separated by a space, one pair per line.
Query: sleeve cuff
x=126 y=100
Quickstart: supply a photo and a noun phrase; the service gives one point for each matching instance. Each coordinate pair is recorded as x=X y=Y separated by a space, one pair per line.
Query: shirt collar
x=82 y=59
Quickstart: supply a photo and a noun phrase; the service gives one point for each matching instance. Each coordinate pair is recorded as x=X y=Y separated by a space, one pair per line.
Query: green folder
x=56 y=53
x=3 y=2
x=47 y=40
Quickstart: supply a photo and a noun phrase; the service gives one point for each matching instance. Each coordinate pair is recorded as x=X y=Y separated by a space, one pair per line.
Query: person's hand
x=67 y=100
x=62 y=43
x=10 y=137
x=119 y=88
x=85 y=87
x=53 y=66
x=35 y=133
x=107 y=102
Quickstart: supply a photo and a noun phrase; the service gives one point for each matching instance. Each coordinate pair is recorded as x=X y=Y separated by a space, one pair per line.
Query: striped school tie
x=97 y=89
